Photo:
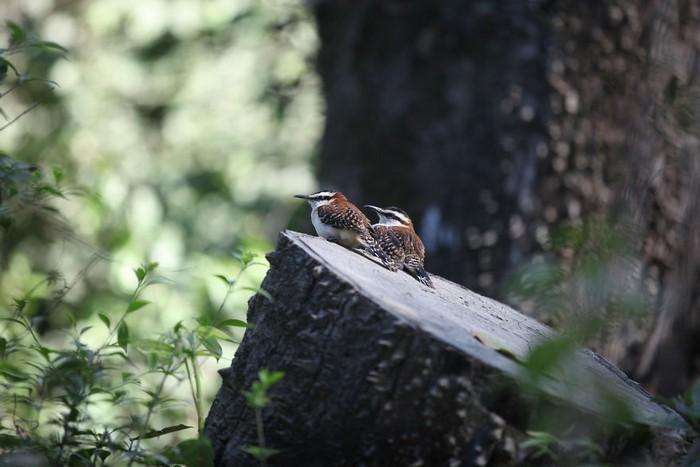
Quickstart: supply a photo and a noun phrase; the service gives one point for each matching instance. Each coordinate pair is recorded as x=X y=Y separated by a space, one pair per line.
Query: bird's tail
x=422 y=276
x=414 y=266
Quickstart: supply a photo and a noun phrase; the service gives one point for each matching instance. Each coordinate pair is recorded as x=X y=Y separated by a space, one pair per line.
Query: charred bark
x=380 y=370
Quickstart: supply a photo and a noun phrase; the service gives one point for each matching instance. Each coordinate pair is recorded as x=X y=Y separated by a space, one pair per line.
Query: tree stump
x=381 y=370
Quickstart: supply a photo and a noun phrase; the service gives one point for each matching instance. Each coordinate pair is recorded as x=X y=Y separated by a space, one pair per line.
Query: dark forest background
x=551 y=139
x=547 y=151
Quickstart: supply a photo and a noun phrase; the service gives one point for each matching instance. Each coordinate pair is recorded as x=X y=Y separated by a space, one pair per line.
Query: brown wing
x=390 y=244
x=418 y=247
x=347 y=217
x=410 y=242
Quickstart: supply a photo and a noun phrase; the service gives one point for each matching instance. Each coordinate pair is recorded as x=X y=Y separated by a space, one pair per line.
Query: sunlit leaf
x=105 y=320
x=213 y=346
x=123 y=336
x=140 y=274
x=235 y=323
x=136 y=304
x=260 y=291
x=17 y=33
x=51 y=45
x=223 y=279
x=58 y=174
x=268 y=378
x=12 y=372
x=164 y=431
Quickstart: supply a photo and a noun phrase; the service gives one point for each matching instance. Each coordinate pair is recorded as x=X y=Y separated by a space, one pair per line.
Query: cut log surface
x=381 y=370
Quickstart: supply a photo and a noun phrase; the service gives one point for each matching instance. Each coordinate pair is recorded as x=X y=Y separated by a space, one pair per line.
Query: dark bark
x=495 y=122
x=380 y=370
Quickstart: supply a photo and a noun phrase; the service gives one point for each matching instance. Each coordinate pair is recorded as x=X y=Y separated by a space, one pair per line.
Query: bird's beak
x=302 y=196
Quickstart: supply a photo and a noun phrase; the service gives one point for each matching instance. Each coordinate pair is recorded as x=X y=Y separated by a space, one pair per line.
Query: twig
x=25 y=112
x=3 y=94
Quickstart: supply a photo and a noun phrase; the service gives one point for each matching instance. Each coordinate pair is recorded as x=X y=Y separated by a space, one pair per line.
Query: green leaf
x=164 y=431
x=12 y=372
x=210 y=331
x=136 y=304
x=123 y=336
x=17 y=321
x=154 y=345
x=58 y=174
x=268 y=378
x=140 y=274
x=213 y=346
x=544 y=358
x=223 y=279
x=237 y=323
x=8 y=64
x=260 y=453
x=105 y=320
x=51 y=45
x=51 y=190
x=260 y=291
x=17 y=33
x=195 y=452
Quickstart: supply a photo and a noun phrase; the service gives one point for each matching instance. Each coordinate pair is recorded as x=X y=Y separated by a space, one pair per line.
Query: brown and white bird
x=401 y=244
x=336 y=219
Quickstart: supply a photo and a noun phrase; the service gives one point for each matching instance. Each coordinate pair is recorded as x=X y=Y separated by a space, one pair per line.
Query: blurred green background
x=178 y=131
x=546 y=151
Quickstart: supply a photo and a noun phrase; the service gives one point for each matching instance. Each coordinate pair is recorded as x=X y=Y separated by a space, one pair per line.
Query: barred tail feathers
x=414 y=266
x=422 y=276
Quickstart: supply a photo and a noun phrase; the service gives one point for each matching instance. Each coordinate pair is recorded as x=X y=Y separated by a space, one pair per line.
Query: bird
x=336 y=219
x=401 y=244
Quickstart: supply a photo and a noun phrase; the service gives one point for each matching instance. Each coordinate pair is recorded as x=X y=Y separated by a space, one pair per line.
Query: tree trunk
x=380 y=370
x=493 y=123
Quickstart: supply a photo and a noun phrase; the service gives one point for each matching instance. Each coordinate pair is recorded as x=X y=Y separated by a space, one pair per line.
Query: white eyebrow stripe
x=402 y=217
x=322 y=194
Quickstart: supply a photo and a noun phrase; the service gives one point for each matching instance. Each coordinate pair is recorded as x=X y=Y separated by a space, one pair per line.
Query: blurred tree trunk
x=494 y=122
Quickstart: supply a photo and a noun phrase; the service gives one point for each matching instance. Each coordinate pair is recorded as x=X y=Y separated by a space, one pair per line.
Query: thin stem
x=3 y=94
x=121 y=319
x=261 y=433
x=198 y=386
x=193 y=391
x=223 y=302
x=24 y=112
x=152 y=406
x=232 y=286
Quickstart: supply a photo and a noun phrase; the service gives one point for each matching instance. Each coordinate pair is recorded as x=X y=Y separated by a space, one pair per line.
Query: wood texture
x=381 y=370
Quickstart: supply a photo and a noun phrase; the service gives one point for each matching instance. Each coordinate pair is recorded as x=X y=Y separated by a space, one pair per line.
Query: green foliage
x=23 y=42
x=42 y=382
x=257 y=399
x=688 y=405
x=99 y=367
x=53 y=389
x=583 y=286
x=562 y=450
